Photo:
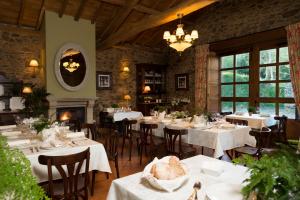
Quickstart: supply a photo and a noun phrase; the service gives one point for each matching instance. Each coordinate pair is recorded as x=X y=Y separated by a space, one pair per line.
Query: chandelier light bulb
x=179 y=30
x=173 y=38
x=188 y=38
x=194 y=34
x=167 y=35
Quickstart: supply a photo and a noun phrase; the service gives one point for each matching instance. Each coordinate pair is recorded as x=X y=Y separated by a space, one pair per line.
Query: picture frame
x=182 y=81
x=103 y=80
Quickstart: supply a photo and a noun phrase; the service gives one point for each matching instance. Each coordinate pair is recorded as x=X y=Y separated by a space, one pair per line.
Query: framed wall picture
x=182 y=81
x=103 y=80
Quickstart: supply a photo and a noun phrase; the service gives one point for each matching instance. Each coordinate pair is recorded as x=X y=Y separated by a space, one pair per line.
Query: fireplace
x=71 y=113
x=82 y=108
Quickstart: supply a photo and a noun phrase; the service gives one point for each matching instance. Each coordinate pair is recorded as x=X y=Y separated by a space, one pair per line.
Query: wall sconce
x=147 y=89
x=35 y=64
x=126 y=69
x=27 y=90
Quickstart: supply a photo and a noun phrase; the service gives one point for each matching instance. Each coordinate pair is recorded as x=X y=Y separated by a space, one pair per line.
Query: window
x=266 y=84
x=235 y=82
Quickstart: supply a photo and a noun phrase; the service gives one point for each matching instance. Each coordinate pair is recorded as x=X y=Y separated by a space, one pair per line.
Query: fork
x=196 y=187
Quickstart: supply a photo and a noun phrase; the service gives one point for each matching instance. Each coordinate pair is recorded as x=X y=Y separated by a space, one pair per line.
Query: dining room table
x=32 y=145
x=256 y=121
x=219 y=136
x=225 y=185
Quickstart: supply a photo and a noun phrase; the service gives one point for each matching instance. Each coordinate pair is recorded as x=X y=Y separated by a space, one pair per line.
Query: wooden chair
x=225 y=113
x=177 y=148
x=279 y=132
x=75 y=125
x=237 y=121
x=70 y=177
x=145 y=133
x=91 y=128
x=127 y=134
x=262 y=137
x=106 y=126
x=112 y=151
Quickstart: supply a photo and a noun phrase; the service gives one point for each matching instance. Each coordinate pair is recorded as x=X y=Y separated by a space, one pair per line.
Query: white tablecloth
x=133 y=188
x=98 y=158
x=255 y=121
x=215 y=138
x=119 y=116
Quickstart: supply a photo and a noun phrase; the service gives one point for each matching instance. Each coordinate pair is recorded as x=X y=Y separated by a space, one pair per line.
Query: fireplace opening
x=71 y=113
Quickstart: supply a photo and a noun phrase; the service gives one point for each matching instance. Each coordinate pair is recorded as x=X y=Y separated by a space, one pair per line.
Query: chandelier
x=71 y=66
x=179 y=40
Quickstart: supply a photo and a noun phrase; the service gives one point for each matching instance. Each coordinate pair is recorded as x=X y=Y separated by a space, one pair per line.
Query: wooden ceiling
x=117 y=21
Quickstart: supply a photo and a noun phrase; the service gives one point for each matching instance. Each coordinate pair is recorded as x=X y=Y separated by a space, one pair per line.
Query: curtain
x=201 y=61
x=293 y=37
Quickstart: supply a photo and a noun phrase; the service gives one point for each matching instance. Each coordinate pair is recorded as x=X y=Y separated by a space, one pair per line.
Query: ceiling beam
x=80 y=9
x=63 y=8
x=120 y=18
x=96 y=15
x=125 y=32
x=146 y=10
x=115 y=2
x=41 y=16
x=21 y=12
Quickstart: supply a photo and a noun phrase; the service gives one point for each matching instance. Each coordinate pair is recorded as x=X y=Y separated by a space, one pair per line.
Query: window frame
x=254 y=78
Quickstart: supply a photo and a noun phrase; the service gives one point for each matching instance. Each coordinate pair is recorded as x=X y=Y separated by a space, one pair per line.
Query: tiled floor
x=126 y=167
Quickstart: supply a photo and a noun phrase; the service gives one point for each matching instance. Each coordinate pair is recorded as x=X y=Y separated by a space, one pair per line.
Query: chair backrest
x=225 y=113
x=146 y=130
x=70 y=176
x=170 y=137
x=237 y=121
x=91 y=128
x=281 y=128
x=105 y=120
x=262 y=136
x=75 y=125
x=127 y=126
x=112 y=146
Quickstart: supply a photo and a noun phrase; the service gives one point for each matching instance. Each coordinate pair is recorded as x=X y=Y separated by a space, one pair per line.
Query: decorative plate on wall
x=1 y=90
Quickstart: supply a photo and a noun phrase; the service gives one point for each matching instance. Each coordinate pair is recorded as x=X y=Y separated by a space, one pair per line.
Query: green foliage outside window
x=17 y=181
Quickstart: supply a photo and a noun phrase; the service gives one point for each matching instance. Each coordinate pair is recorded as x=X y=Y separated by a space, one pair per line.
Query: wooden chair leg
x=93 y=182
x=130 y=148
x=141 y=152
x=117 y=166
x=107 y=175
x=123 y=144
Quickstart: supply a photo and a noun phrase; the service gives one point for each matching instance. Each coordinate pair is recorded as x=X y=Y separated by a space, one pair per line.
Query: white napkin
x=8 y=127
x=11 y=133
x=75 y=134
x=56 y=143
x=167 y=185
x=14 y=143
x=213 y=168
x=224 y=191
x=264 y=115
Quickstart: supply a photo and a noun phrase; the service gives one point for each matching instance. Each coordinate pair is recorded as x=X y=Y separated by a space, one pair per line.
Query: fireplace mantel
x=56 y=102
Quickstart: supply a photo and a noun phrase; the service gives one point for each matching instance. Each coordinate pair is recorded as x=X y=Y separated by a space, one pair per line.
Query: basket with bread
x=166 y=174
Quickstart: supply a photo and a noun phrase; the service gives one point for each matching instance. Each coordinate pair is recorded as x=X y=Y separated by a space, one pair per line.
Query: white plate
x=224 y=191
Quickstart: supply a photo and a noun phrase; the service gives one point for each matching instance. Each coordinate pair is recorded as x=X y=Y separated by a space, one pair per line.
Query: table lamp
x=127 y=97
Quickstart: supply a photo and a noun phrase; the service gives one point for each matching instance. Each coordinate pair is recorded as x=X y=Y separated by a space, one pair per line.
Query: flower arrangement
x=179 y=114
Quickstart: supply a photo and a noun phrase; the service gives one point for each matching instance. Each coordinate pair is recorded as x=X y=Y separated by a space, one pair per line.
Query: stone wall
x=113 y=60
x=18 y=47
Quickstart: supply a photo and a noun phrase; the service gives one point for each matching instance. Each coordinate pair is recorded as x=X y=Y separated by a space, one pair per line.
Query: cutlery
x=31 y=148
x=37 y=149
x=196 y=187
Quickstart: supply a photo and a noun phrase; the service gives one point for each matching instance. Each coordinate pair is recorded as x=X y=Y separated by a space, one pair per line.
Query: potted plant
x=17 y=181
x=251 y=110
x=274 y=176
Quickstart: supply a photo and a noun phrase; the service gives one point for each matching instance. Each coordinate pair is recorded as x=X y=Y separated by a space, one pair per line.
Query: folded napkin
x=14 y=143
x=56 y=143
x=7 y=127
x=167 y=185
x=213 y=168
x=11 y=133
x=75 y=134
